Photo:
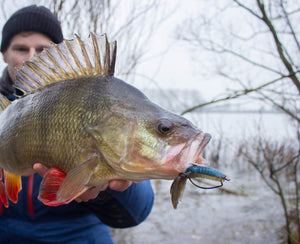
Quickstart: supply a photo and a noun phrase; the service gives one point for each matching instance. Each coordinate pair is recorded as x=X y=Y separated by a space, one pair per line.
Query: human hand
x=93 y=192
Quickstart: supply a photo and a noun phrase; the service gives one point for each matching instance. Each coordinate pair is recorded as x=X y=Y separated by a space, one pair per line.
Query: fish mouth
x=190 y=153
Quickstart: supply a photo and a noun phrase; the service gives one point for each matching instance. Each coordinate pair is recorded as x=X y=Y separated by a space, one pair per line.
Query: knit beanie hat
x=32 y=18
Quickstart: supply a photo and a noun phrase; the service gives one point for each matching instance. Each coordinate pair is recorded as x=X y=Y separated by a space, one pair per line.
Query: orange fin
x=59 y=188
x=50 y=185
x=29 y=195
x=3 y=197
x=13 y=185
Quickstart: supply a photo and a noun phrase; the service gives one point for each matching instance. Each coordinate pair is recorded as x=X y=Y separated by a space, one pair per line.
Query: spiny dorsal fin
x=67 y=60
x=4 y=102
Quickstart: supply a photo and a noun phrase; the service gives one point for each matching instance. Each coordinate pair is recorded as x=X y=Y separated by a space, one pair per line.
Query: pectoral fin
x=59 y=188
x=76 y=181
x=50 y=185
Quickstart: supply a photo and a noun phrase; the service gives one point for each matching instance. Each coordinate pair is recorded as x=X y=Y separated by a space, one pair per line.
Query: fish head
x=170 y=146
x=137 y=138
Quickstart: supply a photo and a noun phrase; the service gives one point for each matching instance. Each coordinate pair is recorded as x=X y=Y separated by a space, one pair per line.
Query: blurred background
x=231 y=67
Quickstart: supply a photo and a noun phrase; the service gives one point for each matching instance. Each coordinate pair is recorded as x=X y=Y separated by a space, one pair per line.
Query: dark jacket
x=86 y=222
x=6 y=84
x=82 y=223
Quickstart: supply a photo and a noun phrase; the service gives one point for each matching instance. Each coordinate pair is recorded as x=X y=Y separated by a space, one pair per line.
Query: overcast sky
x=168 y=63
x=175 y=68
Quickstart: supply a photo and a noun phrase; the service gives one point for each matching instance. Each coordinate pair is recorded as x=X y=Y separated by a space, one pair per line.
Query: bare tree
x=256 y=45
x=278 y=165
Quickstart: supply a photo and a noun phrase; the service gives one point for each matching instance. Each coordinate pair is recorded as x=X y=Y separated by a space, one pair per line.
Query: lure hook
x=201 y=187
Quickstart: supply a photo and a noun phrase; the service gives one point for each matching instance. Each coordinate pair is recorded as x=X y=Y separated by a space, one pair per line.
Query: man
x=86 y=220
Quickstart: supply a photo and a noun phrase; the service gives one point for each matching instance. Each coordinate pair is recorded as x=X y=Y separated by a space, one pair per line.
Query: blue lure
x=194 y=171
x=204 y=172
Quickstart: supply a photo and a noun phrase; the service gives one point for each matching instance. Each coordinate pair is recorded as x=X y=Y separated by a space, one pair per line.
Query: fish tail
x=3 y=197
x=10 y=186
x=4 y=102
x=13 y=185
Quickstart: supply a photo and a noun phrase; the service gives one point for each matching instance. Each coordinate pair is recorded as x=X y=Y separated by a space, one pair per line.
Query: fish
x=194 y=171
x=87 y=126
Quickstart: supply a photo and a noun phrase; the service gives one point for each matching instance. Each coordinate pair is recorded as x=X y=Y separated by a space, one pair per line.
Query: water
x=276 y=126
x=209 y=217
x=250 y=214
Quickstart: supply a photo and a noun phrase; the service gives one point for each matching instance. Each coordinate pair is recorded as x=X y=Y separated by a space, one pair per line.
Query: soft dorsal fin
x=67 y=60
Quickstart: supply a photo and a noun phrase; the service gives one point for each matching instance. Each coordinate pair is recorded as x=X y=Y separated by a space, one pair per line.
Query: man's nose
x=31 y=52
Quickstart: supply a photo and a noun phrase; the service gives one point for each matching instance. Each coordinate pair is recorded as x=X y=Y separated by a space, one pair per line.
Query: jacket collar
x=6 y=84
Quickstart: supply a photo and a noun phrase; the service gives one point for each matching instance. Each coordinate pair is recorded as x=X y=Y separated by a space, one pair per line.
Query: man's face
x=22 y=47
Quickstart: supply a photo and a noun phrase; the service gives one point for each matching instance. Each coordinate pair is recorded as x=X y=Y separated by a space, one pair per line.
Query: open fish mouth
x=190 y=153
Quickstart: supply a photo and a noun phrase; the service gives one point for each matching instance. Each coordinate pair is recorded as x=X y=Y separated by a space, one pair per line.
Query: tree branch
x=237 y=95
x=286 y=15
x=248 y=9
x=278 y=44
x=282 y=108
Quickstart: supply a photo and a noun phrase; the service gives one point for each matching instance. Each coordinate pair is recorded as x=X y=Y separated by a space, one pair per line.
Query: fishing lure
x=194 y=171
x=204 y=172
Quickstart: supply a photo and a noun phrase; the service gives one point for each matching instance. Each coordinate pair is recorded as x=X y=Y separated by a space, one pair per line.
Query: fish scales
x=45 y=135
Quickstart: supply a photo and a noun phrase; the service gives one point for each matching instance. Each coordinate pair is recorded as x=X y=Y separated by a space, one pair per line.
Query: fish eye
x=165 y=126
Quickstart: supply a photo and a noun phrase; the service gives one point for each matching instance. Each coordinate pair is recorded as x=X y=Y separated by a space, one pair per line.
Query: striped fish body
x=77 y=118
x=51 y=129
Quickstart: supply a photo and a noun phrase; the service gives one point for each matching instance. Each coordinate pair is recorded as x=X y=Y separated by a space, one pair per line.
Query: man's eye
x=21 y=49
x=39 y=50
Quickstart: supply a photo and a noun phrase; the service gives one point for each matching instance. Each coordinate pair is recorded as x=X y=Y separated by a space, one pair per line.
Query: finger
x=119 y=185
x=40 y=169
x=91 y=193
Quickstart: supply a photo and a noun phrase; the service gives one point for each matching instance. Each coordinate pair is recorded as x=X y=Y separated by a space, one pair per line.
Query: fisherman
x=87 y=220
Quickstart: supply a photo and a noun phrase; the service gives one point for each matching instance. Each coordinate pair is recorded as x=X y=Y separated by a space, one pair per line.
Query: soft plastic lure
x=194 y=171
